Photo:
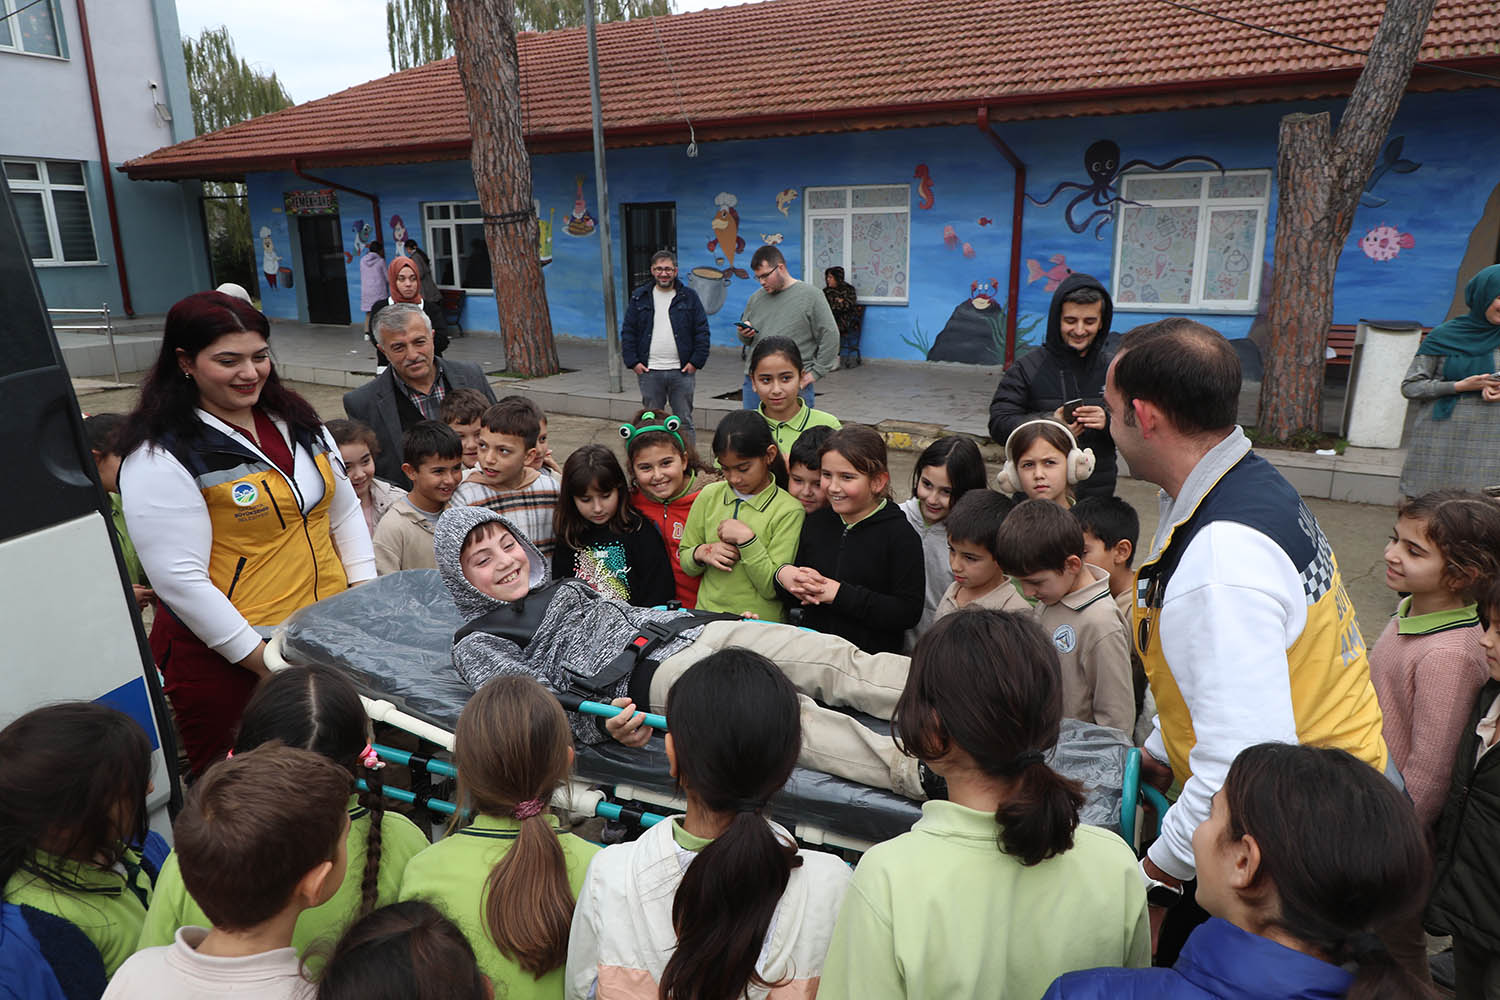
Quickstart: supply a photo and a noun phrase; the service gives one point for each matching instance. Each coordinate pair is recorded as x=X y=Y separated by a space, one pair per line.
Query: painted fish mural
x=1054 y=274
x=1390 y=160
x=771 y=239
x=1386 y=242
x=950 y=238
x=727 y=239
x=784 y=199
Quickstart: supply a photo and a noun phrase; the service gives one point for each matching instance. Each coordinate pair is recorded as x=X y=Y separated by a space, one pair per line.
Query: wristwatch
x=1159 y=893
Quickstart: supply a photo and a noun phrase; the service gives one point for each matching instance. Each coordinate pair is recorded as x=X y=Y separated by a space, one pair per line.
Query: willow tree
x=419 y=31
x=1320 y=174
x=484 y=39
x=226 y=90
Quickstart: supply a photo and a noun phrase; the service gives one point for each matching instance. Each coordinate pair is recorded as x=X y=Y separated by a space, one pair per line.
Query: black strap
x=652 y=637
x=516 y=621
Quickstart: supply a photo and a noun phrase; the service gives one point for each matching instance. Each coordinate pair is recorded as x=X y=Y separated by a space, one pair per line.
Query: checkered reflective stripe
x=1317 y=575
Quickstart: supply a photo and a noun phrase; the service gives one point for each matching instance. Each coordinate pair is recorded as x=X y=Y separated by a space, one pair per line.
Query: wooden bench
x=1341 y=344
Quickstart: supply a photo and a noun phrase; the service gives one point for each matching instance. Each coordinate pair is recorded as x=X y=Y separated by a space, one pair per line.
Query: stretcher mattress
x=392 y=637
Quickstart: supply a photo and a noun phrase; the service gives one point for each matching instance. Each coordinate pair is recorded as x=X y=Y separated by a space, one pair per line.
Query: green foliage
x=548 y=15
x=418 y=31
x=918 y=340
x=225 y=91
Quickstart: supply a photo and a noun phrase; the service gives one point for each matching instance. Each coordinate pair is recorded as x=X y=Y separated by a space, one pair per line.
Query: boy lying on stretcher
x=576 y=641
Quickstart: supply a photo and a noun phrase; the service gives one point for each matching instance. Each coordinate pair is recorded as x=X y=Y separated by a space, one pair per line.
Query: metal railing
x=101 y=323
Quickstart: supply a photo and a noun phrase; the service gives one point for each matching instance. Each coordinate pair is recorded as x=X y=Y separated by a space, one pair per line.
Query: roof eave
x=1251 y=89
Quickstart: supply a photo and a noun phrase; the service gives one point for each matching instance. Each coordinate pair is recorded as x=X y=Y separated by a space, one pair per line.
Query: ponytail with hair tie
x=1365 y=948
x=1023 y=760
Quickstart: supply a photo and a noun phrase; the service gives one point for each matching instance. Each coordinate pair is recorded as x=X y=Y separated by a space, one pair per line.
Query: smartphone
x=743 y=325
x=1070 y=410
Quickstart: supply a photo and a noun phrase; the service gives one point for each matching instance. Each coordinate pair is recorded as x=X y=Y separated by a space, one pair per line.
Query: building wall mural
x=955 y=197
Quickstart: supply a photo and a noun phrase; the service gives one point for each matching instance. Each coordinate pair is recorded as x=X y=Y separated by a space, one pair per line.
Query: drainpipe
x=1018 y=206
x=109 y=187
x=374 y=199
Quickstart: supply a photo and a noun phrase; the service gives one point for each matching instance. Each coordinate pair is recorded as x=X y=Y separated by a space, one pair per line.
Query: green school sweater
x=400 y=841
x=786 y=432
x=452 y=875
x=750 y=587
x=106 y=904
x=940 y=912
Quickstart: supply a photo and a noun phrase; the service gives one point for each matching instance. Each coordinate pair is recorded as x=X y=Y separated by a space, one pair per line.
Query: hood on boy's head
x=1054 y=343
x=448 y=541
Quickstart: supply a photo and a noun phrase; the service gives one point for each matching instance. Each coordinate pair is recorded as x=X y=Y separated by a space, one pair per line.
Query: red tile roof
x=786 y=66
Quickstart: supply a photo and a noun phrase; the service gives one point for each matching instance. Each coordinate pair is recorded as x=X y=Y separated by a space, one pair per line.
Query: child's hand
x=550 y=464
x=143 y=596
x=735 y=532
x=802 y=582
x=629 y=727
x=717 y=555
x=821 y=590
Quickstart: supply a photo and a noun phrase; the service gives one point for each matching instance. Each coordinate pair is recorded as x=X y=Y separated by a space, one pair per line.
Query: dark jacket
x=1053 y=374
x=1219 y=962
x=632 y=567
x=689 y=327
x=882 y=581
x=1463 y=901
x=389 y=411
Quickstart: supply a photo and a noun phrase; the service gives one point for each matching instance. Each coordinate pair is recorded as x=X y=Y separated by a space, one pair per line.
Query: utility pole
x=606 y=247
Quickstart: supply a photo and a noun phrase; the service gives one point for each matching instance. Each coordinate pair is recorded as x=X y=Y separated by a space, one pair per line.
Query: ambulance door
x=68 y=628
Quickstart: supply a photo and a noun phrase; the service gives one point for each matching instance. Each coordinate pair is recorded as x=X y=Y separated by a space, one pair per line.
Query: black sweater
x=882 y=583
x=1463 y=901
x=632 y=567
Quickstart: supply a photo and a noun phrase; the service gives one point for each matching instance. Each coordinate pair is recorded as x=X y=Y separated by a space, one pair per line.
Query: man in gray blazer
x=411 y=388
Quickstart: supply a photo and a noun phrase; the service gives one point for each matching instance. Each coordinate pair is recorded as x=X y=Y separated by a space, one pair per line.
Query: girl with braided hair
x=317 y=709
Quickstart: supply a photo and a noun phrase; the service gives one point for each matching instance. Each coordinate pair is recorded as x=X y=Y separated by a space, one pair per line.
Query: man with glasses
x=786 y=307
x=664 y=339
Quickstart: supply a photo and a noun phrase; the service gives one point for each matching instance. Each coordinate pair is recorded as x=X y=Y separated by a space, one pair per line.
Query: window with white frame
x=1190 y=241
x=29 y=26
x=866 y=230
x=455 y=244
x=52 y=201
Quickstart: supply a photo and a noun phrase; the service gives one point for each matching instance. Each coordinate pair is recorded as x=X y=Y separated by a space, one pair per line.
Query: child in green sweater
x=312 y=708
x=509 y=877
x=741 y=530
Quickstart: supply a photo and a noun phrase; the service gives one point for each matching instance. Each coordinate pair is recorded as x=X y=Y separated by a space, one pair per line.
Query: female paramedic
x=239 y=507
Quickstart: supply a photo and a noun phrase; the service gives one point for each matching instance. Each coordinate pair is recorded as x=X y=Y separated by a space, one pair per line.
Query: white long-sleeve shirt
x=169 y=524
x=1232 y=609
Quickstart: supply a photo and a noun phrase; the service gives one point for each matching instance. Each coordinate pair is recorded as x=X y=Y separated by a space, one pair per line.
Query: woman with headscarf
x=848 y=314
x=1455 y=442
x=406 y=286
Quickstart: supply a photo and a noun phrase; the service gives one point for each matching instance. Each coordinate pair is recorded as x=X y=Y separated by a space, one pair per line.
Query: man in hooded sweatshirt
x=520 y=621
x=1070 y=366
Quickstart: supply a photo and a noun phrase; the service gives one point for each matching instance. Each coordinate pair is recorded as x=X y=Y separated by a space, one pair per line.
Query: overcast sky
x=315 y=48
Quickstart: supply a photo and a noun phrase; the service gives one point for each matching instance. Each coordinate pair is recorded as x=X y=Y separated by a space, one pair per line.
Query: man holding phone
x=786 y=307
x=1064 y=380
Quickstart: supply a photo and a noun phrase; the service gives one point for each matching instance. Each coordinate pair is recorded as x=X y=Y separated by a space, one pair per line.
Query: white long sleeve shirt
x=169 y=524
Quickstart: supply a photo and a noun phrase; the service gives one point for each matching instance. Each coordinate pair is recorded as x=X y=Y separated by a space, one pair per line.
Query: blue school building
x=956 y=165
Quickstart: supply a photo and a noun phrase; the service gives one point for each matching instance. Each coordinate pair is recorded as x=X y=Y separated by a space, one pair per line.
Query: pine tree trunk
x=1320 y=180
x=485 y=43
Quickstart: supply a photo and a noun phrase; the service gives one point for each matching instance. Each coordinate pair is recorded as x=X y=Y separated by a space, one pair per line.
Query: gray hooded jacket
x=580 y=629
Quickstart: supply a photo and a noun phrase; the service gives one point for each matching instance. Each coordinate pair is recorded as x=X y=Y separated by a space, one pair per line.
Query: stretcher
x=392 y=638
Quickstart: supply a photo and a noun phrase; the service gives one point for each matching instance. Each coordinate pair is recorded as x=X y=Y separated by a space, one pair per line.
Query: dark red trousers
x=207 y=692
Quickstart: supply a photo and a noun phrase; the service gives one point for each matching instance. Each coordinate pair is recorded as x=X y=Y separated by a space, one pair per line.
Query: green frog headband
x=668 y=426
